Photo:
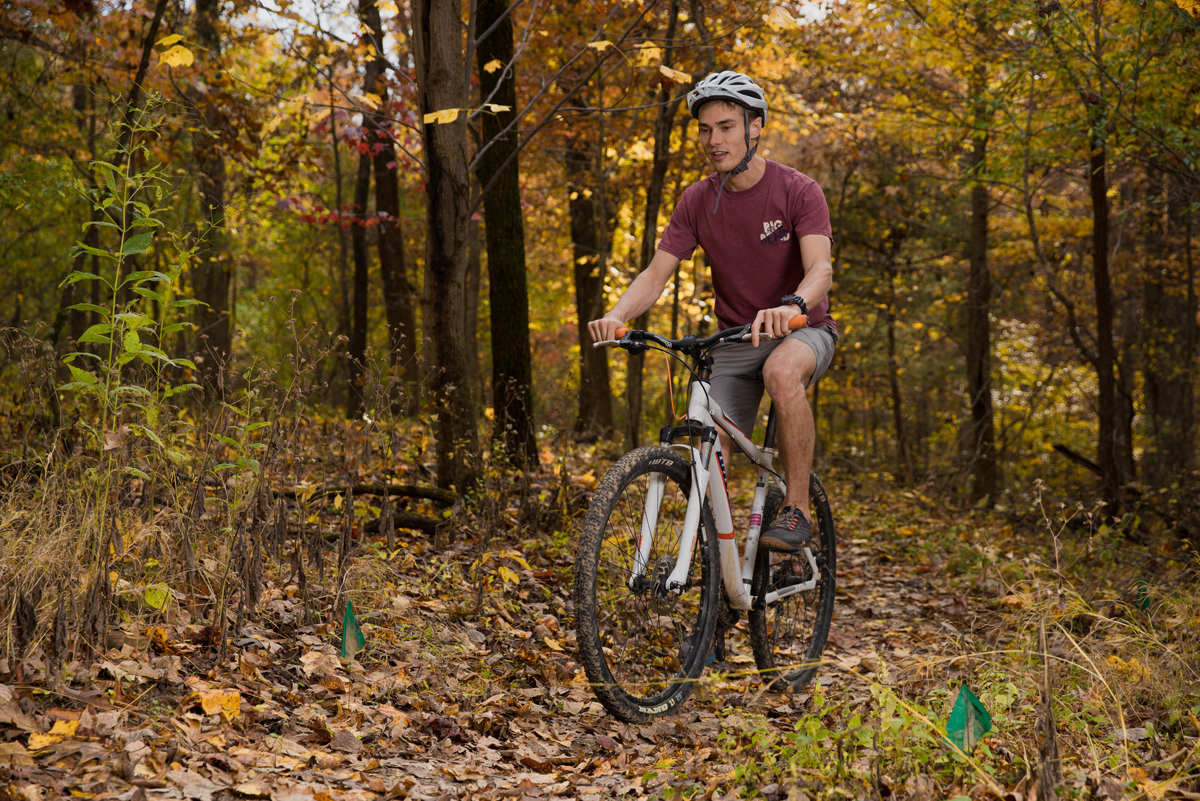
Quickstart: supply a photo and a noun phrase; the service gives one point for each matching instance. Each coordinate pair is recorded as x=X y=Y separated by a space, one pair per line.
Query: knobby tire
x=644 y=650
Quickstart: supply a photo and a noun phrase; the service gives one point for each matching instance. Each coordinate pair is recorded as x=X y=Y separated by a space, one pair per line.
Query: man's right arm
x=638 y=299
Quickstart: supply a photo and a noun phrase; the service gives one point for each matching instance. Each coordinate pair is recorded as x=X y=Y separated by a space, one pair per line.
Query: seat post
x=769 y=439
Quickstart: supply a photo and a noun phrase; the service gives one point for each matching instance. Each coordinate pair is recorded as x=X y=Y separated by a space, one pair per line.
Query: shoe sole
x=772 y=544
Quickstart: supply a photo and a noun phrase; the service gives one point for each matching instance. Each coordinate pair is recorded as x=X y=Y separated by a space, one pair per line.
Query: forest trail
x=448 y=703
x=561 y=744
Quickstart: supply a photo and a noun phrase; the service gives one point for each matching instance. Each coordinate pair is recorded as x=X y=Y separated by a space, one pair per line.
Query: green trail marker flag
x=969 y=720
x=353 y=640
x=1142 y=595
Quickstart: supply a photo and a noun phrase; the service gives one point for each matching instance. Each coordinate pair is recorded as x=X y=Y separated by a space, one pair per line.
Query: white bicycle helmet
x=740 y=90
x=732 y=86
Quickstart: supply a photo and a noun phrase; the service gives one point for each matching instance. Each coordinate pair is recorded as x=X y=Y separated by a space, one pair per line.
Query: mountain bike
x=658 y=543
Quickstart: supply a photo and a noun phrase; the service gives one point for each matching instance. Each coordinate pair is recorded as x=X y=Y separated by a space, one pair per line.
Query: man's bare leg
x=786 y=373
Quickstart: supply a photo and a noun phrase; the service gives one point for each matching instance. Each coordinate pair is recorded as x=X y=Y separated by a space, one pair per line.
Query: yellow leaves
x=648 y=54
x=159 y=640
x=508 y=575
x=779 y=20
x=227 y=703
x=674 y=75
x=371 y=99
x=639 y=151
x=177 y=56
x=1018 y=600
x=388 y=6
x=601 y=45
x=1150 y=788
x=1131 y=670
x=252 y=790
x=447 y=115
x=552 y=644
x=167 y=41
x=271 y=125
x=492 y=66
x=587 y=480
x=62 y=730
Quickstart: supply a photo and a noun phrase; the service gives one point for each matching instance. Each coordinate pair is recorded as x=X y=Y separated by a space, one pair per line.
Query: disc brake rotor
x=661 y=601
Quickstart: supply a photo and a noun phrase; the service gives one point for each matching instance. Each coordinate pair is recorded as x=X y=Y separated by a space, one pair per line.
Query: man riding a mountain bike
x=768 y=243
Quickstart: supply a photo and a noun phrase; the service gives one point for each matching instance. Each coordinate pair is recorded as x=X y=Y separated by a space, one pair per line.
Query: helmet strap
x=743 y=165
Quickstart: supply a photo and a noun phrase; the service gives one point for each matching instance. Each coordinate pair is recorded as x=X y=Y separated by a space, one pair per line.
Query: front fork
x=737 y=570
x=677 y=580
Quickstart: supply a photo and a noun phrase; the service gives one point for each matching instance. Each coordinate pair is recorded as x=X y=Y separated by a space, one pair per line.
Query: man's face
x=723 y=134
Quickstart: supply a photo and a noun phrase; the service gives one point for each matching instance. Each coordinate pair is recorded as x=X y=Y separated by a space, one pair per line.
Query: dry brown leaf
x=15 y=755
x=316 y=662
x=346 y=742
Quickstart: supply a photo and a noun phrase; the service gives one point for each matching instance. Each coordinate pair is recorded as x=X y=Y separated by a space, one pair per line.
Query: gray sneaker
x=790 y=532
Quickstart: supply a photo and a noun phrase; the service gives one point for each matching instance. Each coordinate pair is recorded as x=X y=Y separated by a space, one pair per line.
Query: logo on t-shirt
x=774 y=232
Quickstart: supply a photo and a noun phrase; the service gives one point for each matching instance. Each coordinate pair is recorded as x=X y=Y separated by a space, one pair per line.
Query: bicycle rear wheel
x=789 y=635
x=644 y=647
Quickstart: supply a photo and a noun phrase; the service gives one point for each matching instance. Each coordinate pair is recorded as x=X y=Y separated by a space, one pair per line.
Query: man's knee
x=789 y=369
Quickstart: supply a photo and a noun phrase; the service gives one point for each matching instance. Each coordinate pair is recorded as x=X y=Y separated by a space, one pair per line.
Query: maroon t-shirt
x=753 y=241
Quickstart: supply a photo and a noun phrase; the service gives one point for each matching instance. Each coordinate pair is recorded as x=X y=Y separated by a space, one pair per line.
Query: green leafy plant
x=121 y=368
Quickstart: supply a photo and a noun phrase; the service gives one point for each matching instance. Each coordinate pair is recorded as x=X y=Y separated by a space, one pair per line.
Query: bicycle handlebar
x=739 y=333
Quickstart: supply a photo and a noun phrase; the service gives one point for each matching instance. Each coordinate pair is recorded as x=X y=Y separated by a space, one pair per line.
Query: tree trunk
x=437 y=35
x=471 y=310
x=1168 y=340
x=1127 y=315
x=362 y=271
x=372 y=71
x=654 y=192
x=393 y=266
x=979 y=295
x=345 y=304
x=904 y=467
x=504 y=226
x=595 y=418
x=1106 y=446
x=213 y=271
x=75 y=321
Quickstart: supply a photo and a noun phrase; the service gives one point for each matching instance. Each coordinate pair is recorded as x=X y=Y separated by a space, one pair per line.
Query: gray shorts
x=737 y=382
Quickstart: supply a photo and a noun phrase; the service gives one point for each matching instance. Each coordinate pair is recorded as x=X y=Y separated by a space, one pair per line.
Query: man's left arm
x=816 y=255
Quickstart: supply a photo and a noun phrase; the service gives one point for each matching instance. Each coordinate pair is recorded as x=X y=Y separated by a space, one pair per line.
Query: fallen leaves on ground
x=466 y=699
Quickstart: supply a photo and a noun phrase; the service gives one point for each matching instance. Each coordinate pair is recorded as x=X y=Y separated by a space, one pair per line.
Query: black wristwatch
x=794 y=300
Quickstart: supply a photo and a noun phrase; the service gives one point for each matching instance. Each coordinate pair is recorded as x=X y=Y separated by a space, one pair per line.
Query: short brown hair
x=725 y=104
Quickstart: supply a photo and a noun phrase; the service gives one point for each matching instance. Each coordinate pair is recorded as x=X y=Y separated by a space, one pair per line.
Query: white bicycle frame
x=736 y=573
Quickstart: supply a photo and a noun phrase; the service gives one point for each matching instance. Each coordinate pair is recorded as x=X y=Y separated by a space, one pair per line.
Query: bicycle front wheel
x=643 y=644
x=789 y=635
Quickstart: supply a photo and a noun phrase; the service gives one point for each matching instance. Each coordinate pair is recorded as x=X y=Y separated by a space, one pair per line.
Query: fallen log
x=406 y=520
x=444 y=497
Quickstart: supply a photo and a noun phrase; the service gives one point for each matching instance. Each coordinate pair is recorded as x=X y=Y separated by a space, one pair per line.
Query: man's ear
x=756 y=125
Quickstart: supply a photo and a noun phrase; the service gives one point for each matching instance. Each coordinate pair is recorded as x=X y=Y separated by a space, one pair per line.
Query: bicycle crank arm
x=793 y=584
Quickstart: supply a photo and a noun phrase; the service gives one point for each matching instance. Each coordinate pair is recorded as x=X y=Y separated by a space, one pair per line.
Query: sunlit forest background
x=1012 y=187
x=293 y=306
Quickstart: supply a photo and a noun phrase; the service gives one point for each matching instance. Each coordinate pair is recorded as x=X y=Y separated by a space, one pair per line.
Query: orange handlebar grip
x=622 y=332
x=798 y=322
